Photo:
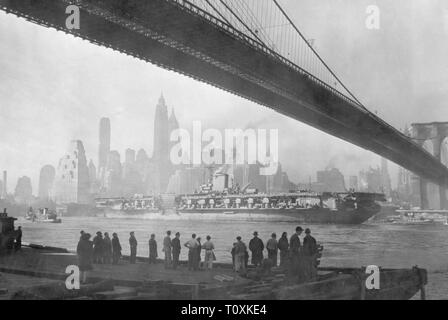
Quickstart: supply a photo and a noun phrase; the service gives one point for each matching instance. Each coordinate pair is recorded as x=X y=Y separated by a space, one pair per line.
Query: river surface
x=384 y=245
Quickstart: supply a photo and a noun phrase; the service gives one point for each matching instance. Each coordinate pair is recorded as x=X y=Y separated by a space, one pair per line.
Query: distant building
x=46 y=181
x=103 y=148
x=72 y=183
x=385 y=178
x=113 y=176
x=23 y=193
x=162 y=145
x=353 y=183
x=371 y=180
x=329 y=180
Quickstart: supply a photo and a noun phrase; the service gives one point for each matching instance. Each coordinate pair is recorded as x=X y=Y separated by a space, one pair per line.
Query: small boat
x=43 y=215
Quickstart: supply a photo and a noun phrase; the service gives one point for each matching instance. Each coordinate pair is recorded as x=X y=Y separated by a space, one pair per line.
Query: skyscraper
x=72 y=183
x=104 y=146
x=46 y=180
x=161 y=154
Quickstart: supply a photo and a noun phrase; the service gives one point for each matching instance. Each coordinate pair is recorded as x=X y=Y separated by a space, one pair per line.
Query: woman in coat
x=85 y=256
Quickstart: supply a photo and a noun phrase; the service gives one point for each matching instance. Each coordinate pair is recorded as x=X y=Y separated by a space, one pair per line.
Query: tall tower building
x=161 y=154
x=104 y=146
x=46 y=180
x=72 y=183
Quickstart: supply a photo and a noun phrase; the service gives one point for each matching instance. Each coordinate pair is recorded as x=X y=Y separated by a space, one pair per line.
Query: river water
x=384 y=245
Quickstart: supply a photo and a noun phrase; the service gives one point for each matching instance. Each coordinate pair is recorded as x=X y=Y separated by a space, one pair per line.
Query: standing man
x=295 y=251
x=256 y=246
x=133 y=245
x=209 y=253
x=192 y=246
x=116 y=249
x=175 y=243
x=272 y=247
x=153 y=249
x=283 y=246
x=107 y=248
x=85 y=256
x=18 y=243
x=98 y=248
x=309 y=255
x=240 y=255
x=167 y=249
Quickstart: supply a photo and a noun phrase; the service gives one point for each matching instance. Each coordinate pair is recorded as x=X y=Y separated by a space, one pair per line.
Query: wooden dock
x=22 y=275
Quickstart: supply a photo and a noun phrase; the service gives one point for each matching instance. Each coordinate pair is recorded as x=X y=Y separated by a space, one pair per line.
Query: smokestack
x=5 y=184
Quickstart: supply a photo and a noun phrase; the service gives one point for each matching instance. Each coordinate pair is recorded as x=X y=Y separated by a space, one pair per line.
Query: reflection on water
x=401 y=246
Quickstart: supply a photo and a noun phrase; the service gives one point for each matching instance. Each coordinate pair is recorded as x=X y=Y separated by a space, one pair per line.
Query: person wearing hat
x=84 y=251
x=176 y=249
x=116 y=249
x=256 y=247
x=133 y=247
x=107 y=249
x=309 y=255
x=167 y=247
x=272 y=247
x=295 y=251
x=283 y=246
x=240 y=255
x=98 y=248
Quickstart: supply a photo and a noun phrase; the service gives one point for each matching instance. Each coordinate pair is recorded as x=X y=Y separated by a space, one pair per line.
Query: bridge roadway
x=179 y=37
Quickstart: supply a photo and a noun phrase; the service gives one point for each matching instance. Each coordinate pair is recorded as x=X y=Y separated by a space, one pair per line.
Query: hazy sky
x=55 y=88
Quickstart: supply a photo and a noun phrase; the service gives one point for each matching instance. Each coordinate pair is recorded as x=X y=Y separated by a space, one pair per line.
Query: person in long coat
x=272 y=247
x=283 y=246
x=176 y=249
x=85 y=256
x=153 y=249
x=256 y=246
x=116 y=249
x=295 y=250
x=167 y=246
x=98 y=248
x=133 y=247
x=310 y=251
x=107 y=248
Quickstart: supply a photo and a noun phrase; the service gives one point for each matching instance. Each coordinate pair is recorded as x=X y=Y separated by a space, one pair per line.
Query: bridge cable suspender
x=318 y=56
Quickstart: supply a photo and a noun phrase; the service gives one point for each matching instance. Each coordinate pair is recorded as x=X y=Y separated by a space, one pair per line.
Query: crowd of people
x=299 y=259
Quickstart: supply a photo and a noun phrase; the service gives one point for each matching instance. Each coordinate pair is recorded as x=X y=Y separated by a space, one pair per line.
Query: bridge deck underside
x=168 y=35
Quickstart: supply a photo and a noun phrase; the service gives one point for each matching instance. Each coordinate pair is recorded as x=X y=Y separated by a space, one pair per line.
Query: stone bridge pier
x=433 y=137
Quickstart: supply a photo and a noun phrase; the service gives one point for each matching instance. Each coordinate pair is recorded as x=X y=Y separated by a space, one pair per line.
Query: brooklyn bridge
x=252 y=49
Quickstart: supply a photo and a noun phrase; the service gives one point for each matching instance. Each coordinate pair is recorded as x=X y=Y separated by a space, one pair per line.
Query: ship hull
x=135 y=214
x=310 y=216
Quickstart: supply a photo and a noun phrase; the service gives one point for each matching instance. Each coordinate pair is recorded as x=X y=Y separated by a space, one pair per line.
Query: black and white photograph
x=246 y=151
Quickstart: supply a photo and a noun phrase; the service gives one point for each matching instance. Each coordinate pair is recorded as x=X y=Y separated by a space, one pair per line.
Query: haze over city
x=55 y=88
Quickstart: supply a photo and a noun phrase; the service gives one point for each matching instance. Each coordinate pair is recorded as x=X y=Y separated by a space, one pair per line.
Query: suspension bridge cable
x=242 y=22
x=318 y=56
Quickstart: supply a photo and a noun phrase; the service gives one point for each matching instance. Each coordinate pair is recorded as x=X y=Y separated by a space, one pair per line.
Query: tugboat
x=43 y=215
x=297 y=206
